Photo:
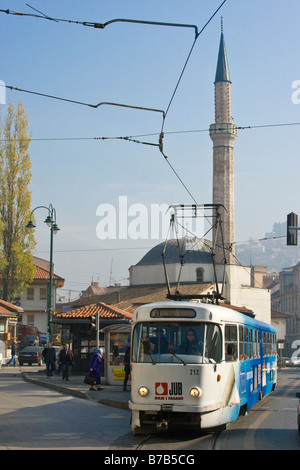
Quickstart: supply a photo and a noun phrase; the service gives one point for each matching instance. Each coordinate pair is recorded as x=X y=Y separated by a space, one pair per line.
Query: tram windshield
x=192 y=343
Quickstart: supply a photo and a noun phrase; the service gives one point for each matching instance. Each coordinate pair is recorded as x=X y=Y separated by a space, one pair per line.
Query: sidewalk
x=112 y=395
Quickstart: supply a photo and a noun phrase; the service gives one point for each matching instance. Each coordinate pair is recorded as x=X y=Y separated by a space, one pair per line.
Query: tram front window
x=177 y=343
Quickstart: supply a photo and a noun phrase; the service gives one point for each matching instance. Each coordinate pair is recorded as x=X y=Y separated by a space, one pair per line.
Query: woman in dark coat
x=95 y=368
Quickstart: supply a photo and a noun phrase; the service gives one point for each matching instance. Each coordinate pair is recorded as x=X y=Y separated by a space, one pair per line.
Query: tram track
x=143 y=441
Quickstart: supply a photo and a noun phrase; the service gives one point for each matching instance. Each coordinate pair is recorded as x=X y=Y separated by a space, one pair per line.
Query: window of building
x=200 y=274
x=43 y=293
x=30 y=293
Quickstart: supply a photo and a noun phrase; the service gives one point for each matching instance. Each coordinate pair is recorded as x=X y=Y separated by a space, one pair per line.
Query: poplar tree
x=16 y=244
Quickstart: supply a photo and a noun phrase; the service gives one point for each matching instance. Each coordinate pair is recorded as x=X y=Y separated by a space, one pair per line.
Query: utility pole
x=97 y=331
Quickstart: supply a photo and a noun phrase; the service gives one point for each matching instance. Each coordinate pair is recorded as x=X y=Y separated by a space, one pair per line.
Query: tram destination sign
x=172 y=313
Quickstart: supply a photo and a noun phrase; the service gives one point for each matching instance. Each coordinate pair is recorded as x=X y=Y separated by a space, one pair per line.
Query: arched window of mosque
x=200 y=274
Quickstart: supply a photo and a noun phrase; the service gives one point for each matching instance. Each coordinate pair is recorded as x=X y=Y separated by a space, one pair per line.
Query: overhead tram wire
x=133 y=138
x=113 y=104
x=171 y=100
x=98 y=25
x=189 y=55
x=102 y=26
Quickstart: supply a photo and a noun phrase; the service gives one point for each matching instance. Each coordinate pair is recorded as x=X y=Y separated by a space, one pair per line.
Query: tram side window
x=241 y=342
x=254 y=343
x=230 y=343
x=250 y=344
x=256 y=352
x=273 y=344
x=246 y=348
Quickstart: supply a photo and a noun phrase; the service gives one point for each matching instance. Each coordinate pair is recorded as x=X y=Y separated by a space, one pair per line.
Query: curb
x=69 y=391
x=76 y=393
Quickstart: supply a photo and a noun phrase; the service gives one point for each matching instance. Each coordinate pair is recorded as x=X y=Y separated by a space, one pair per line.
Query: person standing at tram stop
x=191 y=344
x=95 y=369
x=66 y=358
x=49 y=356
x=13 y=354
x=126 y=368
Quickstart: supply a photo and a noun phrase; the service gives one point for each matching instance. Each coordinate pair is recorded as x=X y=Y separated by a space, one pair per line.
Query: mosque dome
x=192 y=250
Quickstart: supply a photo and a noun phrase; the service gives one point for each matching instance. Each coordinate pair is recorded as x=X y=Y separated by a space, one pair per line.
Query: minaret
x=223 y=134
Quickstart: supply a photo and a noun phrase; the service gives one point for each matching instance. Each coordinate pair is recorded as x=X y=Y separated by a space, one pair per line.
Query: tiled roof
x=9 y=309
x=105 y=312
x=41 y=273
x=126 y=296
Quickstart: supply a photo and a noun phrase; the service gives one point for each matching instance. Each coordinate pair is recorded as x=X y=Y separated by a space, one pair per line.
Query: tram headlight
x=143 y=391
x=195 y=392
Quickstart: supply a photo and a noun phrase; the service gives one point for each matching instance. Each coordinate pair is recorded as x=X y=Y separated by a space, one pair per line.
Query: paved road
x=34 y=417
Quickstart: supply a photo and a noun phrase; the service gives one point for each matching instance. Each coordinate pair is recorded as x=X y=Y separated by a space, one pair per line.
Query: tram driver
x=191 y=344
x=159 y=344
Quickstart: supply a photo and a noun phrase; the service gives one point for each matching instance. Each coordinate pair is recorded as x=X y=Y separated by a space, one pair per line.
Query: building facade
x=288 y=302
x=33 y=300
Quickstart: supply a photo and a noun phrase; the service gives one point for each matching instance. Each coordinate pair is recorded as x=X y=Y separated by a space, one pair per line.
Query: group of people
x=65 y=360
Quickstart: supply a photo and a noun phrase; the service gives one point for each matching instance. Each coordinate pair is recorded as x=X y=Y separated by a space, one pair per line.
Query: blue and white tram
x=197 y=365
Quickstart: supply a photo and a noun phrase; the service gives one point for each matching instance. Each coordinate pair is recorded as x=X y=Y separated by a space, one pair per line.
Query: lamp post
x=51 y=223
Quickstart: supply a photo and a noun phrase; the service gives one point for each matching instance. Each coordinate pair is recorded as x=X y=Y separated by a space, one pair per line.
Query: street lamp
x=51 y=223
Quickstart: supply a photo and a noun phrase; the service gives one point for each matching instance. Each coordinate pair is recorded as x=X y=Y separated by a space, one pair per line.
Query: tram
x=197 y=365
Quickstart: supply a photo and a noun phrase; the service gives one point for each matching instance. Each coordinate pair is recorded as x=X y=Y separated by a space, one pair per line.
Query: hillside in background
x=270 y=251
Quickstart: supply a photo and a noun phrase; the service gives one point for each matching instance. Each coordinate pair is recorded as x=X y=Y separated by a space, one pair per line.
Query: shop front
x=8 y=328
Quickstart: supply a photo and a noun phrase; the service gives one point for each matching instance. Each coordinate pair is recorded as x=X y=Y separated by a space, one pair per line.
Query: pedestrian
x=59 y=363
x=95 y=369
x=66 y=358
x=49 y=356
x=13 y=354
x=126 y=368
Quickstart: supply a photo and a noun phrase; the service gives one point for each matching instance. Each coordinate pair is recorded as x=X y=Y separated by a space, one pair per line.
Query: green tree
x=16 y=244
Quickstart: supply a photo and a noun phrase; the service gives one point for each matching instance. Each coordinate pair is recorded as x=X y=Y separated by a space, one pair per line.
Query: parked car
x=294 y=361
x=43 y=340
x=283 y=362
x=29 y=340
x=30 y=355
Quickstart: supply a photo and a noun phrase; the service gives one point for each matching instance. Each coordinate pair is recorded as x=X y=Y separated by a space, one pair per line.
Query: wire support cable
x=94 y=24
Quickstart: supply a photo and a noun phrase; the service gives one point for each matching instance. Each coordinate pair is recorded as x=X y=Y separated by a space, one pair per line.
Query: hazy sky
x=139 y=65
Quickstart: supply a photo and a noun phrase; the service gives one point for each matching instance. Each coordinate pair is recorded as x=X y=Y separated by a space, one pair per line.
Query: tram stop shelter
x=77 y=328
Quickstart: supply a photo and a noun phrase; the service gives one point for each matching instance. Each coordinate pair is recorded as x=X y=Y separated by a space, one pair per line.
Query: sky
x=106 y=191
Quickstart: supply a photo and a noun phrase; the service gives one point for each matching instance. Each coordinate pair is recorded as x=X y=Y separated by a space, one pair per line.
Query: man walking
x=66 y=358
x=49 y=356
